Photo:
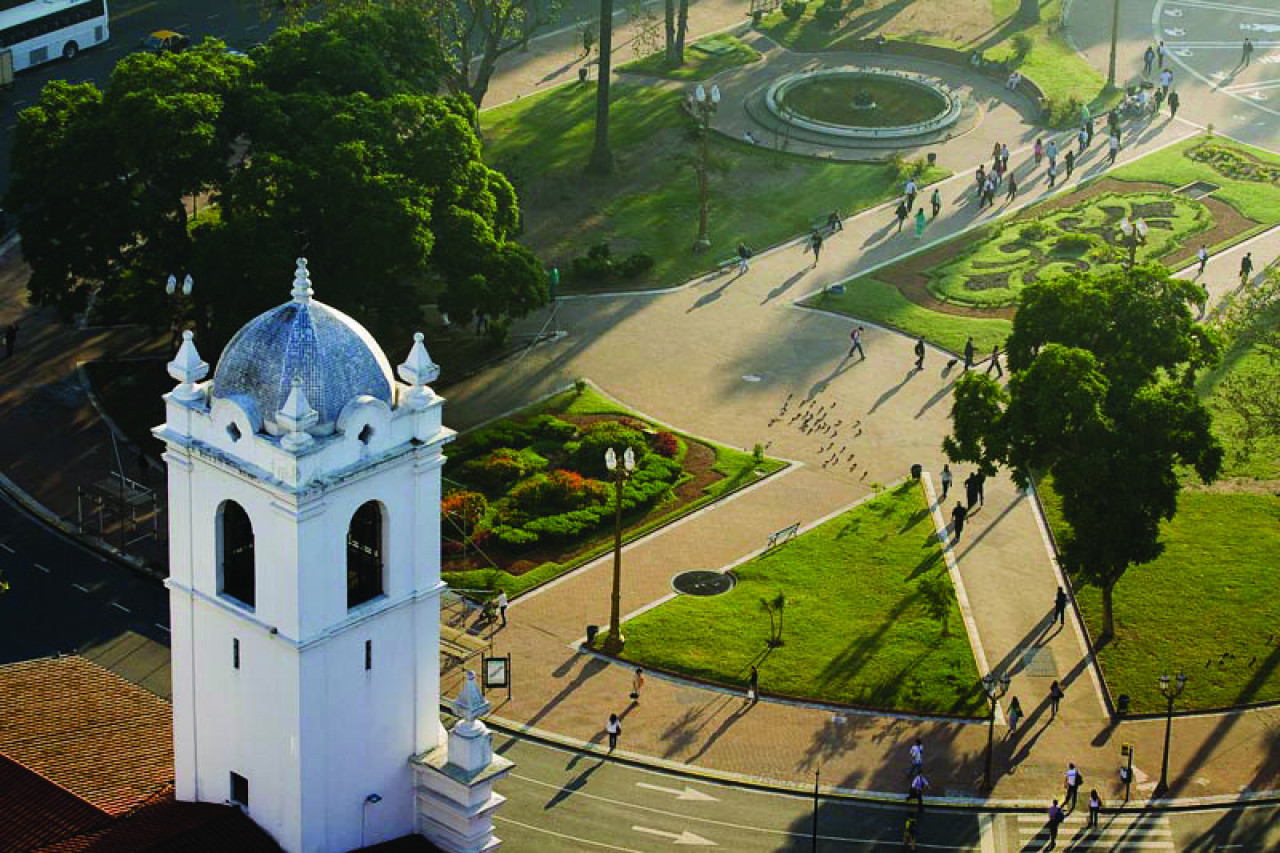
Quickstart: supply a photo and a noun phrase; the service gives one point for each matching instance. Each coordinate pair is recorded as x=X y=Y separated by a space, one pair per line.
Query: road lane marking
x=120 y=606
x=686 y=838
x=41 y=568
x=7 y=548
x=161 y=627
x=687 y=817
x=688 y=793
x=132 y=10
x=501 y=819
x=986 y=834
x=77 y=586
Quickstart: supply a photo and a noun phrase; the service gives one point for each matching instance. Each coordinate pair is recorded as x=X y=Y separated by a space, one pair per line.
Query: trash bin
x=932 y=157
x=1122 y=704
x=592 y=630
x=916 y=471
x=582 y=74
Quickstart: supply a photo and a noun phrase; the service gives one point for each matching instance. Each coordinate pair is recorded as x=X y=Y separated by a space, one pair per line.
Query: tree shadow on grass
x=846 y=665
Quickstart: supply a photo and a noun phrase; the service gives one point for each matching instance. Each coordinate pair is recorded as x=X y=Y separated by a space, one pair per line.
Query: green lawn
x=650 y=204
x=884 y=305
x=870 y=618
x=739 y=469
x=1052 y=64
x=704 y=58
x=1258 y=200
x=1213 y=592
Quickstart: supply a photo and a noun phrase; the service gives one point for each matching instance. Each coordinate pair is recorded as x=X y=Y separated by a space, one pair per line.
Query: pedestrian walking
x=901 y=213
x=856 y=346
x=637 y=682
x=915 y=791
x=1074 y=780
x=502 y=607
x=11 y=339
x=1012 y=192
x=1082 y=137
x=1070 y=161
x=1055 y=698
x=1148 y=60
x=753 y=685
x=945 y=477
x=1162 y=54
x=1015 y=714
x=935 y=201
x=1174 y=102
x=1004 y=156
x=920 y=223
x=815 y=244
x=834 y=222
x=1246 y=268
x=1166 y=81
x=744 y=255
x=1037 y=152
x=980 y=177
x=1060 y=607
x=1051 y=152
x=1113 y=148
x=957 y=521
x=1202 y=255
x=979 y=487
x=994 y=362
x=1160 y=95
x=917 y=758
x=919 y=349
x=968 y=353
x=613 y=729
x=989 y=191
x=1056 y=817
x=1095 y=806
x=1053 y=175
x=970 y=492
x=1088 y=132
x=909 y=190
x=1246 y=52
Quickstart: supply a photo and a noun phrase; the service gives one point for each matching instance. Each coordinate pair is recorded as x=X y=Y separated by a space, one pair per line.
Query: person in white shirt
x=917 y=758
x=1202 y=255
x=613 y=728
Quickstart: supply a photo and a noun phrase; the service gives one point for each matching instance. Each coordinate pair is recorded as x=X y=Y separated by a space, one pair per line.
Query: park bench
x=781 y=536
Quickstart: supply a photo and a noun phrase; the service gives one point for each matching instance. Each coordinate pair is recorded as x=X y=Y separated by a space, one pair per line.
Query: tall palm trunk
x=601 y=157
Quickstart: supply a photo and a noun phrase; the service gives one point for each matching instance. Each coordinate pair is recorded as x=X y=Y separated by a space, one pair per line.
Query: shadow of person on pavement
x=888 y=395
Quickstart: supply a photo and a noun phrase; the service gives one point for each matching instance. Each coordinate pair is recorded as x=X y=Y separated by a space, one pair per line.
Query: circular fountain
x=864 y=103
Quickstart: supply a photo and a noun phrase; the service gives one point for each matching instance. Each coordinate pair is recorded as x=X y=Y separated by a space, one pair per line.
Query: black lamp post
x=1170 y=692
x=1135 y=234
x=994 y=688
x=705 y=104
x=620 y=473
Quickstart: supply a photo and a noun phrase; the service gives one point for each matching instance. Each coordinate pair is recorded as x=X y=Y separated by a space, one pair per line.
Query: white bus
x=40 y=30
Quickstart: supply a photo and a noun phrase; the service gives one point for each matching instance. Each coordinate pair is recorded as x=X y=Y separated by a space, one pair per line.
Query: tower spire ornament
x=302 y=291
x=188 y=368
x=296 y=416
x=418 y=370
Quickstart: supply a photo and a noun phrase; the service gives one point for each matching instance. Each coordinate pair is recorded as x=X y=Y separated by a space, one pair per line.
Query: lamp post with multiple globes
x=621 y=473
x=705 y=104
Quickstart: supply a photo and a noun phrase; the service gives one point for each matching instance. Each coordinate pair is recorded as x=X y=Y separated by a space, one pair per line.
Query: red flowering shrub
x=561 y=490
x=666 y=444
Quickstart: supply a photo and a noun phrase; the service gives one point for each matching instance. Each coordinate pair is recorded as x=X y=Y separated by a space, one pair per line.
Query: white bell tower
x=304 y=536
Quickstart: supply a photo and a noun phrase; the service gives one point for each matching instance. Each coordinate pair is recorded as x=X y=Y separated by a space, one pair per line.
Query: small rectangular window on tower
x=239 y=790
x=368 y=654
x=235 y=653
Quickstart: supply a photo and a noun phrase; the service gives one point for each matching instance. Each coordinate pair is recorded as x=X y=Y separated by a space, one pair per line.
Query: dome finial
x=302 y=291
x=188 y=368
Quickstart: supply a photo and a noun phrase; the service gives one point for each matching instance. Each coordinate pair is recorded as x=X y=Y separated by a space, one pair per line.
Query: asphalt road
x=565 y=801
x=64 y=598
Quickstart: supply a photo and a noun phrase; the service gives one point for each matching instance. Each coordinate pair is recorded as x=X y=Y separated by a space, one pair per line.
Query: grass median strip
x=868 y=618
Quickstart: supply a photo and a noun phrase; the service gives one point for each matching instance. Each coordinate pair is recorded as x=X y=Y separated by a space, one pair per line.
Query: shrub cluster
x=599 y=266
x=666 y=444
x=793 y=10
x=502 y=468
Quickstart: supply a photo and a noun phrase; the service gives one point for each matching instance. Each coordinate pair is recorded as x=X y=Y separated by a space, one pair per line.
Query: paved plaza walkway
x=718 y=357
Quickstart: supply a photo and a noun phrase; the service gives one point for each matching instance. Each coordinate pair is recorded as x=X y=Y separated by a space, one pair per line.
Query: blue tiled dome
x=336 y=357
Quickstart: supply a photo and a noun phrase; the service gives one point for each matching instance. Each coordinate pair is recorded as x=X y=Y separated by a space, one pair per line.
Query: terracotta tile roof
x=34 y=811
x=87 y=730
x=163 y=825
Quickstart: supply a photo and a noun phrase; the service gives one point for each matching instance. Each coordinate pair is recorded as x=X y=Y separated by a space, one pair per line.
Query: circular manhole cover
x=703 y=583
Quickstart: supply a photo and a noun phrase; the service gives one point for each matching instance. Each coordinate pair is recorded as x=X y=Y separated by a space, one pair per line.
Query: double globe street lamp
x=995 y=688
x=621 y=473
x=705 y=104
x=177 y=297
x=1170 y=691
x=1135 y=234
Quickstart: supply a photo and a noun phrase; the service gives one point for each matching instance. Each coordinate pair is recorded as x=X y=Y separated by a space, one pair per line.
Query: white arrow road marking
x=686 y=837
x=687 y=794
x=7 y=548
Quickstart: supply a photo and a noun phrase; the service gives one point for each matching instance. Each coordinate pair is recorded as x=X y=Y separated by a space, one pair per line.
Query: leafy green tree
x=1100 y=397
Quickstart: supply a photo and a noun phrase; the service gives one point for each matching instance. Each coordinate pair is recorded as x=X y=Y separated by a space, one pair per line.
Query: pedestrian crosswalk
x=1132 y=832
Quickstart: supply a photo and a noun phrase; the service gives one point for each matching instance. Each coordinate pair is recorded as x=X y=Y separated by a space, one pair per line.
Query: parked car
x=165 y=40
